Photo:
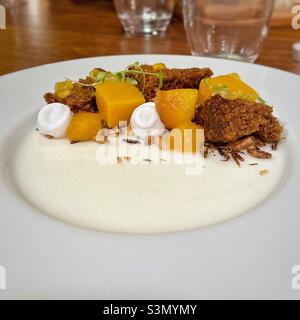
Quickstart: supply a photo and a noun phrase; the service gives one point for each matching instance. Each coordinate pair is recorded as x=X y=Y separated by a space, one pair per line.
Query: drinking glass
x=11 y=4
x=232 y=29
x=145 y=16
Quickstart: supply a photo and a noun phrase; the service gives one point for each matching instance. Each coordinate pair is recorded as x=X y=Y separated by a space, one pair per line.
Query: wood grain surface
x=45 y=31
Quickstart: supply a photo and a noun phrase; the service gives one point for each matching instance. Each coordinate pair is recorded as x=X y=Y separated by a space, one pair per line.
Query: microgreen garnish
x=220 y=89
x=101 y=76
x=132 y=81
x=161 y=79
x=261 y=100
x=121 y=75
x=124 y=76
x=206 y=81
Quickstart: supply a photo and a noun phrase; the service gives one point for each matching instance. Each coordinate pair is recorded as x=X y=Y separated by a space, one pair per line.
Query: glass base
x=236 y=57
x=142 y=30
x=144 y=24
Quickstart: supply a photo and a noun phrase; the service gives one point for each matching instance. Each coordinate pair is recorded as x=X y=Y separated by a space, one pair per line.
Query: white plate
x=249 y=257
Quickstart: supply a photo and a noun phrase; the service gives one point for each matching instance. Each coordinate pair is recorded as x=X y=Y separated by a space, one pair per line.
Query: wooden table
x=44 y=31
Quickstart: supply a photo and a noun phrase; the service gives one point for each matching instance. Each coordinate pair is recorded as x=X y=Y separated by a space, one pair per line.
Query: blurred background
x=44 y=31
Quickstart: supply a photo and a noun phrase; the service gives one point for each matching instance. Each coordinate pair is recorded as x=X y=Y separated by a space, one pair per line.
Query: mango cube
x=116 y=101
x=84 y=126
x=229 y=86
x=176 y=105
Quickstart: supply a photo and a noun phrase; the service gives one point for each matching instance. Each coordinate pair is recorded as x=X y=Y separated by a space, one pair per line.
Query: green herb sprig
x=261 y=100
x=124 y=76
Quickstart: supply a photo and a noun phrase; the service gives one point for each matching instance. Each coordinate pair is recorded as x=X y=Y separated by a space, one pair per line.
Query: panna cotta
x=75 y=183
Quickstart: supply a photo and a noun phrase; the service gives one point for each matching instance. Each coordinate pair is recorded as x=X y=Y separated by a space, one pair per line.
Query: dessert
x=232 y=114
x=151 y=149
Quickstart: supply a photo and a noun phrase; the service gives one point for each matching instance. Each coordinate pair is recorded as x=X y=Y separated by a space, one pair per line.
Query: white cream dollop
x=54 y=119
x=146 y=122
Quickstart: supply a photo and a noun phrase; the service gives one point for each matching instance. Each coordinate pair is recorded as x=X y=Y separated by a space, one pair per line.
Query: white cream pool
x=66 y=182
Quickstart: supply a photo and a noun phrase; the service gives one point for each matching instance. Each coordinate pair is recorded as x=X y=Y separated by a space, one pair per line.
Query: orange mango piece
x=117 y=100
x=84 y=126
x=176 y=106
x=229 y=86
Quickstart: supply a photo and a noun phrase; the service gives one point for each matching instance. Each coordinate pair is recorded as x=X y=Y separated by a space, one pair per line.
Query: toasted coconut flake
x=224 y=153
x=131 y=141
x=208 y=148
x=238 y=155
x=115 y=131
x=274 y=146
x=109 y=132
x=257 y=153
x=263 y=172
x=119 y=160
x=101 y=138
x=235 y=158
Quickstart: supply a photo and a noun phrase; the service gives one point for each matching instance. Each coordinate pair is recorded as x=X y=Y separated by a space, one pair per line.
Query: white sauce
x=66 y=182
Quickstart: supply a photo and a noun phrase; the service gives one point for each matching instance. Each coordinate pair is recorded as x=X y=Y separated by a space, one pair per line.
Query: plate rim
x=151 y=55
